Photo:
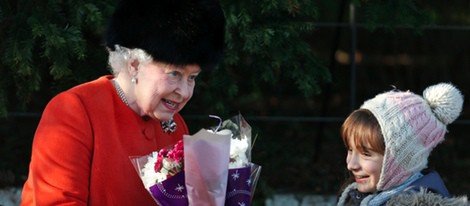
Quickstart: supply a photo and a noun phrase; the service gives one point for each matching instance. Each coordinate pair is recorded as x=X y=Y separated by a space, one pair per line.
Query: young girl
x=389 y=140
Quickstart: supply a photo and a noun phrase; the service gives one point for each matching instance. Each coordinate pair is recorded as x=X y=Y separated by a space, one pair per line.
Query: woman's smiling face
x=366 y=165
x=163 y=89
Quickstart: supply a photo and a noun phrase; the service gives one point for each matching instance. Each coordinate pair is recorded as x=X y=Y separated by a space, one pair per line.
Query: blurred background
x=293 y=68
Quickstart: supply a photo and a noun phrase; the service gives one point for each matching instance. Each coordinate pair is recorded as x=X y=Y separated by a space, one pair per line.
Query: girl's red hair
x=364 y=129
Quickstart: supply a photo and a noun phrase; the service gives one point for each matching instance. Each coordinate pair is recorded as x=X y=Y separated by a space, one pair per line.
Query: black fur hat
x=173 y=31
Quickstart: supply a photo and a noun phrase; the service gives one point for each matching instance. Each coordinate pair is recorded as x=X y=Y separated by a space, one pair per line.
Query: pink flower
x=174 y=155
x=161 y=155
x=177 y=153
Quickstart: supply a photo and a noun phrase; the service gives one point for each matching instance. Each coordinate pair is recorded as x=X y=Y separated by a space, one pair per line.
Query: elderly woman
x=82 y=145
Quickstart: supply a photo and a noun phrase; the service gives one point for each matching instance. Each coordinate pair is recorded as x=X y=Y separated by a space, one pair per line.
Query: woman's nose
x=184 y=89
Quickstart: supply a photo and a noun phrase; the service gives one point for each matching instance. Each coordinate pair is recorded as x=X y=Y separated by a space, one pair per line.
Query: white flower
x=149 y=177
x=238 y=148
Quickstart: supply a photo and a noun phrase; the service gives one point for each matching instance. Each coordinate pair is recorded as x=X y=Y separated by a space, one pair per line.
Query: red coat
x=82 y=145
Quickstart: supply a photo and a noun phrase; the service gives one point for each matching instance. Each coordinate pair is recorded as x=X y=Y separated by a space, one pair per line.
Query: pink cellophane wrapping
x=206 y=157
x=206 y=179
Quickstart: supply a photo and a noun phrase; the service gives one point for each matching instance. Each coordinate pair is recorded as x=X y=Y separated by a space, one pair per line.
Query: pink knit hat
x=411 y=127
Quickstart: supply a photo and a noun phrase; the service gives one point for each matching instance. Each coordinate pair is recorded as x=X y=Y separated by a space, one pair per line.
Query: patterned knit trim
x=344 y=194
x=378 y=199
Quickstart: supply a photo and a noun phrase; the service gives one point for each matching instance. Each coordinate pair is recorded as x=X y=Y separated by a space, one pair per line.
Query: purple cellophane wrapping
x=238 y=187
x=171 y=192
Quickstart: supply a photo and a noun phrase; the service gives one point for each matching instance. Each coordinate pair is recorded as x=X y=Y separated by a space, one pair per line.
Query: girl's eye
x=367 y=153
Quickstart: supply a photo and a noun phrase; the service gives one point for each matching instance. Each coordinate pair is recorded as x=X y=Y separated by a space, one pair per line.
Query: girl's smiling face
x=365 y=165
x=363 y=139
x=163 y=89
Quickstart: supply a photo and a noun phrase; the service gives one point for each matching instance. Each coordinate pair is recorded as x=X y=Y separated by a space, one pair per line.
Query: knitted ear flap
x=445 y=101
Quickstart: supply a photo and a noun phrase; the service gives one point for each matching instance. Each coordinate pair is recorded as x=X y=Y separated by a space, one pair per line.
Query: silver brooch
x=168 y=126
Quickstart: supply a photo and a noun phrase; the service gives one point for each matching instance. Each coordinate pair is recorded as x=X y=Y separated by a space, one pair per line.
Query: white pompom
x=445 y=100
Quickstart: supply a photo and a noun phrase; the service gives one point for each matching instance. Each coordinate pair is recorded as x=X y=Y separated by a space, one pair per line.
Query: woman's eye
x=175 y=75
x=192 y=78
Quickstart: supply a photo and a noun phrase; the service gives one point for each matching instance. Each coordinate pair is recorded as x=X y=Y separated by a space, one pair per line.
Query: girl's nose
x=352 y=162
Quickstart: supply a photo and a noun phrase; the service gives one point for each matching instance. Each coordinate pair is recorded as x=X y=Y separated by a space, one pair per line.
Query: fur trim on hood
x=426 y=198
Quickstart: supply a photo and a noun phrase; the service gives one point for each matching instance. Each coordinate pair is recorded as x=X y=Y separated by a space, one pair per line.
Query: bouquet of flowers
x=162 y=174
x=243 y=174
x=211 y=167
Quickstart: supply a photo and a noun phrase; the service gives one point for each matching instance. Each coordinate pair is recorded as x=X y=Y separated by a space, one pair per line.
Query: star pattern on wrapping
x=179 y=188
x=241 y=204
x=248 y=181
x=236 y=175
